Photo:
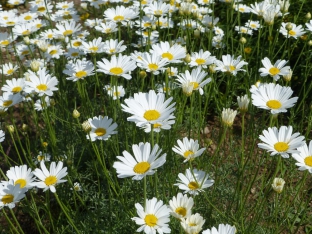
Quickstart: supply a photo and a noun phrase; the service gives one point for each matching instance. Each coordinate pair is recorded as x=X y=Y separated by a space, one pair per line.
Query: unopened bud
x=52 y=102
x=187 y=58
x=289 y=26
x=24 y=127
x=278 y=185
x=26 y=40
x=86 y=126
x=308 y=16
x=45 y=144
x=11 y=128
x=288 y=76
x=142 y=74
x=34 y=65
x=212 y=68
x=197 y=33
x=84 y=5
x=310 y=43
x=243 y=40
x=76 y=114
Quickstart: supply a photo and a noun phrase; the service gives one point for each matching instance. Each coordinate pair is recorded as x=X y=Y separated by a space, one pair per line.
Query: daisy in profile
x=304 y=157
x=154 y=218
x=156 y=8
x=281 y=141
x=227 y=116
x=148 y=108
x=42 y=157
x=42 y=104
x=181 y=206
x=193 y=224
x=114 y=47
x=116 y=92
x=54 y=52
x=14 y=85
x=222 y=229
x=8 y=69
x=153 y=63
x=107 y=28
x=188 y=149
x=201 y=59
x=10 y=194
x=276 y=70
x=291 y=30
x=67 y=28
x=49 y=179
x=120 y=14
x=9 y=99
x=230 y=65
x=101 y=128
x=21 y=175
x=272 y=97
x=194 y=182
x=79 y=70
x=77 y=187
x=278 y=185
x=197 y=78
x=143 y=163
x=117 y=66
x=158 y=126
x=309 y=25
x=6 y=39
x=243 y=103
x=174 y=53
x=41 y=83
x=2 y=135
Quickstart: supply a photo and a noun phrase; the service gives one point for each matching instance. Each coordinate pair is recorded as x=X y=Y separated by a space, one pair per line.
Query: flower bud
x=45 y=144
x=26 y=40
x=24 y=127
x=34 y=65
x=142 y=74
x=228 y=115
x=243 y=40
x=278 y=185
x=308 y=16
x=288 y=76
x=196 y=33
x=76 y=114
x=86 y=126
x=11 y=128
x=187 y=58
x=212 y=68
x=310 y=43
x=289 y=26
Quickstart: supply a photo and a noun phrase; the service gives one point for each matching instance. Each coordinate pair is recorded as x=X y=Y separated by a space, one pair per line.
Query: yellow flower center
x=193 y=185
x=100 y=131
x=292 y=33
x=156 y=125
x=195 y=85
x=147 y=24
x=53 y=52
x=151 y=115
x=274 y=104
x=273 y=71
x=5 y=42
x=247 y=50
x=42 y=87
x=41 y=9
x=67 y=17
x=50 y=180
x=28 y=17
x=81 y=74
x=116 y=94
x=116 y=70
x=40 y=158
x=7 y=103
x=192 y=224
x=10 y=71
x=281 y=146
x=181 y=211
x=150 y=220
x=94 y=48
x=67 y=32
x=21 y=182
x=25 y=52
x=232 y=68
x=167 y=55
x=118 y=18
x=65 y=6
x=16 y=89
x=10 y=23
x=308 y=161
x=188 y=153
x=141 y=167
x=112 y=51
x=153 y=66
x=200 y=61
x=75 y=54
x=25 y=33
x=108 y=30
x=77 y=43
x=8 y=198
x=38 y=25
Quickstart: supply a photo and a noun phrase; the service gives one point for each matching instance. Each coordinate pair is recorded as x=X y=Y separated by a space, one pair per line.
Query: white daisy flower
x=154 y=218
x=21 y=175
x=107 y=28
x=116 y=92
x=143 y=163
x=95 y=46
x=194 y=182
x=304 y=157
x=2 y=135
x=8 y=69
x=158 y=126
x=50 y=179
x=174 y=53
x=42 y=157
x=14 y=85
x=9 y=99
x=117 y=66
x=120 y=14
x=228 y=115
x=254 y=25
x=67 y=28
x=39 y=105
x=294 y=32
x=201 y=59
x=114 y=47
x=156 y=8
x=281 y=141
x=10 y=194
x=276 y=70
x=196 y=78
x=76 y=187
x=278 y=184
x=54 y=52
x=188 y=149
x=148 y=108
x=229 y=64
x=243 y=103
x=309 y=25
x=272 y=97
x=79 y=70
x=153 y=63
x=181 y=206
x=41 y=83
x=101 y=128
x=222 y=229
x=6 y=39
x=193 y=224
